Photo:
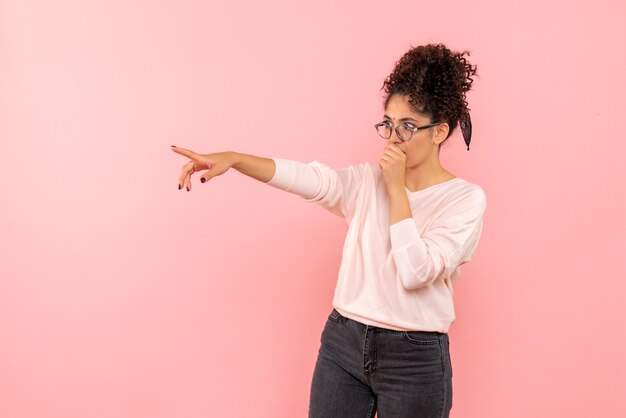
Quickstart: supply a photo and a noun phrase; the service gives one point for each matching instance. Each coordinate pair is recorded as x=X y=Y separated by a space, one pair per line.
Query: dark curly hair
x=435 y=80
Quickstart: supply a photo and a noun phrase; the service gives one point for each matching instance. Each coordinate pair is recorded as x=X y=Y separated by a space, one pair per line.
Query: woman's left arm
x=451 y=239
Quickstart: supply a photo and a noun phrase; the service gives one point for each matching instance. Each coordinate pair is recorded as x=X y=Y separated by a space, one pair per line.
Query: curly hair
x=435 y=80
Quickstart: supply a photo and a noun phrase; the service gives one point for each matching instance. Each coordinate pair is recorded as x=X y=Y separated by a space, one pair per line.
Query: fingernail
x=187 y=188
x=172 y=145
x=179 y=187
x=202 y=180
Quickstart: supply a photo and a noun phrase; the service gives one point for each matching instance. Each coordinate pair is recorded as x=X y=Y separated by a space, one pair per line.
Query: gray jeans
x=362 y=370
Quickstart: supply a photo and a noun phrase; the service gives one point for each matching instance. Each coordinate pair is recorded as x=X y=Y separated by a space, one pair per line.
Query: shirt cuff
x=283 y=175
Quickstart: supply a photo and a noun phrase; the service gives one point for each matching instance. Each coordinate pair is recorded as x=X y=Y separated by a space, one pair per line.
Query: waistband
x=336 y=315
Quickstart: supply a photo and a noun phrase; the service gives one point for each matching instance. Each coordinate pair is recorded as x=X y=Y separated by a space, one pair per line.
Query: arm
x=316 y=182
x=335 y=190
x=218 y=163
x=258 y=168
x=399 y=207
x=288 y=175
x=451 y=240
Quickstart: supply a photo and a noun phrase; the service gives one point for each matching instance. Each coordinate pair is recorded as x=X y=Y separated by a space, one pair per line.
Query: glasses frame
x=412 y=130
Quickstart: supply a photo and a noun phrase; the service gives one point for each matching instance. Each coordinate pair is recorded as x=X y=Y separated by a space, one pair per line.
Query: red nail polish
x=202 y=180
x=179 y=187
x=187 y=188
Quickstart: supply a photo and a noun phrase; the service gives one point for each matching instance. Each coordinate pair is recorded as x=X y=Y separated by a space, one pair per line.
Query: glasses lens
x=404 y=133
x=383 y=130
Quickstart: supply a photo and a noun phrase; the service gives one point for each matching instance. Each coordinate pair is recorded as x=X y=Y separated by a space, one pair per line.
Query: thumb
x=208 y=175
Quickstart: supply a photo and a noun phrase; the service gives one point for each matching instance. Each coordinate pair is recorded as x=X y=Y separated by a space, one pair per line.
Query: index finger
x=395 y=148
x=186 y=152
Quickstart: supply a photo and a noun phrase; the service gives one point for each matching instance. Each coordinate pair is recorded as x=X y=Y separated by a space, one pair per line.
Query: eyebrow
x=414 y=120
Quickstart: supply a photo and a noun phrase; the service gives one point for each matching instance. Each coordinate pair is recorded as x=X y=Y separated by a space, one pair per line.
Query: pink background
x=121 y=296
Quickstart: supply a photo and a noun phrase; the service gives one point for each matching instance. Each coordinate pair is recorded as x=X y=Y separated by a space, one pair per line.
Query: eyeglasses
x=404 y=131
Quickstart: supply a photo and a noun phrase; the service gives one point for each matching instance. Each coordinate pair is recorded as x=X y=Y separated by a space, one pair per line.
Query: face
x=424 y=144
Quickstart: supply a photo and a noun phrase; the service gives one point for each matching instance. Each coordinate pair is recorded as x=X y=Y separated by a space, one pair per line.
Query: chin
x=411 y=164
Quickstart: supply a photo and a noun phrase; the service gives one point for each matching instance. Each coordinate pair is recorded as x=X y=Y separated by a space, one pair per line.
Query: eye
x=409 y=125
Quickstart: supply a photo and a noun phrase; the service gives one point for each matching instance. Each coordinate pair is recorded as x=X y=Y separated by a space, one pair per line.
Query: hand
x=217 y=164
x=393 y=164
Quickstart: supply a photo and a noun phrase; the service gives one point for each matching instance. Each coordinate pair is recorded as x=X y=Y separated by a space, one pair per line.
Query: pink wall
x=121 y=296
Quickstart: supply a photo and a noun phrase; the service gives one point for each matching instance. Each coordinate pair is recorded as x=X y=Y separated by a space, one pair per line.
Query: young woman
x=412 y=224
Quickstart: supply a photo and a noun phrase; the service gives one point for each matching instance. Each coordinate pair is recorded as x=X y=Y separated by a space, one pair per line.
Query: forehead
x=399 y=108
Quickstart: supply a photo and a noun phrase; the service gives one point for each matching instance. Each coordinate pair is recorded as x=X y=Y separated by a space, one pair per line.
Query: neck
x=425 y=174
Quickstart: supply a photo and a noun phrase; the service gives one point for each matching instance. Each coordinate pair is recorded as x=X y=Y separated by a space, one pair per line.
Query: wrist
x=234 y=158
x=396 y=191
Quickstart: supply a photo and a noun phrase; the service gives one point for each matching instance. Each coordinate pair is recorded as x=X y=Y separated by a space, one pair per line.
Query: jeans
x=362 y=370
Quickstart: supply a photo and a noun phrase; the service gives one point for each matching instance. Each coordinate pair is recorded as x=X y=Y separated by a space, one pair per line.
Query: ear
x=440 y=133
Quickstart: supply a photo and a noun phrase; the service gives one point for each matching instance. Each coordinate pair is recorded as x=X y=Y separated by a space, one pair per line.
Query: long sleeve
x=450 y=241
x=316 y=182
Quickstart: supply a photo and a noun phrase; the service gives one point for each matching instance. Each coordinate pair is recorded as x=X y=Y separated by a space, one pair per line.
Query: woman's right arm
x=258 y=168
x=315 y=182
x=218 y=163
x=289 y=175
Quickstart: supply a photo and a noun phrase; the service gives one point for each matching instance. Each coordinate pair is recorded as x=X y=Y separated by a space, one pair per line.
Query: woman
x=412 y=223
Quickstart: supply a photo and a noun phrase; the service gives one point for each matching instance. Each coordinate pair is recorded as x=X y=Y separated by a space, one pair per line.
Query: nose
x=393 y=139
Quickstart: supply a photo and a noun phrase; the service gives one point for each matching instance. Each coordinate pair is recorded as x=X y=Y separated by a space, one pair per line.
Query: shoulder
x=465 y=194
x=469 y=188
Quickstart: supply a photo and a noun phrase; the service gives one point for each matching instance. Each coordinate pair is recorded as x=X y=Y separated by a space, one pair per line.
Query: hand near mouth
x=393 y=164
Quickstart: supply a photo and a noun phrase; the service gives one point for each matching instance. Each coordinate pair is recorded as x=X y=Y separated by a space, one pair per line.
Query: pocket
x=334 y=315
x=420 y=337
